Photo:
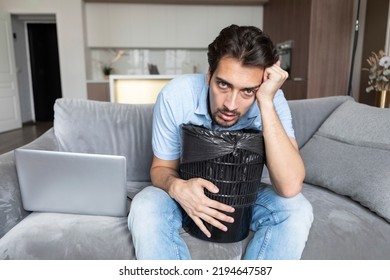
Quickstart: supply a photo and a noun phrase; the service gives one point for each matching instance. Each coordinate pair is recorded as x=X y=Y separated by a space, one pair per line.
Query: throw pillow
x=350 y=155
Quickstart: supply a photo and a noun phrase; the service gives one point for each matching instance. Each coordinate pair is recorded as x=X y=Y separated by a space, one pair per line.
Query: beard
x=217 y=119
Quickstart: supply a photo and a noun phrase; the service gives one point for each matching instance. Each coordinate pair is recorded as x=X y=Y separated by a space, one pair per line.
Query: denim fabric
x=154 y=223
x=281 y=226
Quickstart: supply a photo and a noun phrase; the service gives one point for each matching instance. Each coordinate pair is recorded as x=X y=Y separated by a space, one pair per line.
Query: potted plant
x=379 y=76
x=107 y=71
x=107 y=67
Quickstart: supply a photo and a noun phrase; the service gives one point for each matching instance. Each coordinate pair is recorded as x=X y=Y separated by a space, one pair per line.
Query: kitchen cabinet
x=116 y=25
x=98 y=90
x=97 y=24
x=322 y=34
x=193 y=28
x=161 y=30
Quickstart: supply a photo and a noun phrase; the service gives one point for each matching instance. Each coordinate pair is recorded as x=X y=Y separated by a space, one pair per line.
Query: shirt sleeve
x=284 y=113
x=165 y=133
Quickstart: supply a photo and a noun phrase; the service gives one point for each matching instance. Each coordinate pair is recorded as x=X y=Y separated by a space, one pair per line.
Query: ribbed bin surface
x=233 y=161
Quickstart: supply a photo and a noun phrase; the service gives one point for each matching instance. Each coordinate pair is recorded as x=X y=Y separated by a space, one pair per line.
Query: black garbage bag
x=231 y=160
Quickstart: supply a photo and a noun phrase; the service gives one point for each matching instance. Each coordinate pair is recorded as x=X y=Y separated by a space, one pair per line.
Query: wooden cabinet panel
x=290 y=20
x=295 y=89
x=98 y=91
x=322 y=33
x=331 y=30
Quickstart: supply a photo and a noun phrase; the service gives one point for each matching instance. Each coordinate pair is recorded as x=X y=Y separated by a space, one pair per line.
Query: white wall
x=71 y=43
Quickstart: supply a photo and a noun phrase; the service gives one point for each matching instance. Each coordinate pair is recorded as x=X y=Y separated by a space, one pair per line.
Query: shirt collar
x=253 y=111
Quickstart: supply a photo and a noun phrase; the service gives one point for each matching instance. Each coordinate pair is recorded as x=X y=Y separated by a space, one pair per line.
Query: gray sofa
x=345 y=146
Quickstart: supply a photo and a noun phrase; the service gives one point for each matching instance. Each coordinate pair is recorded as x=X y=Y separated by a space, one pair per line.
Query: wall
x=71 y=44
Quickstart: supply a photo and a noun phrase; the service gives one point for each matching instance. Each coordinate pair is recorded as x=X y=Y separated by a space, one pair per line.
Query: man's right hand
x=190 y=195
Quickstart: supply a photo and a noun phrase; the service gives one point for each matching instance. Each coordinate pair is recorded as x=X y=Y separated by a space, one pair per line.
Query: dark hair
x=248 y=44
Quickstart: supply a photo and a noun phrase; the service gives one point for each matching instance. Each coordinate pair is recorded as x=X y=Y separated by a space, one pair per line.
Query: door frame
x=11 y=119
x=30 y=80
x=31 y=19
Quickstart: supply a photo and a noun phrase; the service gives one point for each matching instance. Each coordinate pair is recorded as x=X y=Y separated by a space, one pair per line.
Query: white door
x=10 y=117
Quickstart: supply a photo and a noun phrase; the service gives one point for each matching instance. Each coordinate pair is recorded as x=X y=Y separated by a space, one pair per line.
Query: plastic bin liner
x=200 y=143
x=233 y=161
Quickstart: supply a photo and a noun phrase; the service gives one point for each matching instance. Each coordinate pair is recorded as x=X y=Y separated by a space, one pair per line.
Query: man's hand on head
x=273 y=79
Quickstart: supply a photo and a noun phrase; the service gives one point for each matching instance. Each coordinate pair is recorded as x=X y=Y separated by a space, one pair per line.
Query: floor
x=11 y=140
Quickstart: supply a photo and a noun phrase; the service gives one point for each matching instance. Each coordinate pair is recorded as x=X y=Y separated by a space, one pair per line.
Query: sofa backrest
x=309 y=114
x=88 y=126
x=96 y=127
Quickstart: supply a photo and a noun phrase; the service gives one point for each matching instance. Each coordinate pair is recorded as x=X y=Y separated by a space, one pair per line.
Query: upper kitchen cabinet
x=97 y=23
x=161 y=27
x=116 y=25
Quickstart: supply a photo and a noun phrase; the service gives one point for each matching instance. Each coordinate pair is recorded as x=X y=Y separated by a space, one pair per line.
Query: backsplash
x=137 y=61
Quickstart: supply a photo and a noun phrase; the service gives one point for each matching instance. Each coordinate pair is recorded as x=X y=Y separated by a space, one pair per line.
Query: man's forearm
x=164 y=177
x=283 y=159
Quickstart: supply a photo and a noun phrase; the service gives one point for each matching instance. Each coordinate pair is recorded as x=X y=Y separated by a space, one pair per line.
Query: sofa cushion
x=55 y=236
x=96 y=127
x=344 y=230
x=350 y=155
x=11 y=207
x=52 y=236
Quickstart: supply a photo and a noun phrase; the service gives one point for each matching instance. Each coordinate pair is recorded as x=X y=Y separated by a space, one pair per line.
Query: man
x=241 y=90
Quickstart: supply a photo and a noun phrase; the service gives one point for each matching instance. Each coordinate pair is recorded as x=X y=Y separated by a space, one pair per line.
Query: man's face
x=233 y=90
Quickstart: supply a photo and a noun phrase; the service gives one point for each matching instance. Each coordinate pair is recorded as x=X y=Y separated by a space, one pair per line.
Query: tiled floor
x=16 y=138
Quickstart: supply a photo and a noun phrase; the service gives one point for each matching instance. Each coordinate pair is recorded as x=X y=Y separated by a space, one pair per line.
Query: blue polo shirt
x=184 y=101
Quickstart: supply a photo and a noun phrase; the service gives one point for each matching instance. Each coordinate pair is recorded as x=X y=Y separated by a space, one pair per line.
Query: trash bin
x=231 y=160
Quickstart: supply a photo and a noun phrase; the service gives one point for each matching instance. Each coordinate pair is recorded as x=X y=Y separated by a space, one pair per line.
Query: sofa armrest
x=46 y=141
x=11 y=208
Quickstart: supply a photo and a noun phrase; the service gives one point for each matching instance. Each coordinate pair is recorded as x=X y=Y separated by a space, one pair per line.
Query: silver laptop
x=90 y=184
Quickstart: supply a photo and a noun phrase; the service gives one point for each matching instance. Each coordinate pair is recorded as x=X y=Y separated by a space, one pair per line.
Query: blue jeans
x=281 y=226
